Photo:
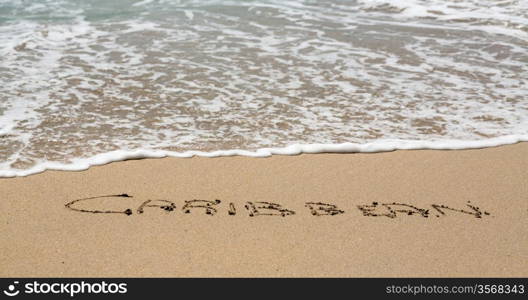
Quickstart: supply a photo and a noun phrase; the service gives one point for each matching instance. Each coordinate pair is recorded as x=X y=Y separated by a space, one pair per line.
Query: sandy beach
x=403 y=213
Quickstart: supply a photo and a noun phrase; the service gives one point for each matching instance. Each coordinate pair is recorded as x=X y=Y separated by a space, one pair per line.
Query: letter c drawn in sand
x=127 y=211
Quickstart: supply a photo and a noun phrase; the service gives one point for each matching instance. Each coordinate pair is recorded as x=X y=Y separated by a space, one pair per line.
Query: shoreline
x=379 y=146
x=412 y=213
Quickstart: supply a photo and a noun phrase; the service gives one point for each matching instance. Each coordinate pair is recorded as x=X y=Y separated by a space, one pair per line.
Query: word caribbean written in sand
x=121 y=204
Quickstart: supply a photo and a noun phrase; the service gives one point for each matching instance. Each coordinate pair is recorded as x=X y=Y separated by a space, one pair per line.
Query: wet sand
x=402 y=213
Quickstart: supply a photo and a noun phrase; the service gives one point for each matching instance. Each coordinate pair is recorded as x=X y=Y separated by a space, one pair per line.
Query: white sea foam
x=90 y=82
x=81 y=164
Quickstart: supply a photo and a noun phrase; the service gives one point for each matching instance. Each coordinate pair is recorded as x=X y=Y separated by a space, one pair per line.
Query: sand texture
x=402 y=213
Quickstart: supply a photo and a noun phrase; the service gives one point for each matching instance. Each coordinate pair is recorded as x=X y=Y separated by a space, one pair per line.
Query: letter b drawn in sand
x=323 y=209
x=203 y=204
x=267 y=209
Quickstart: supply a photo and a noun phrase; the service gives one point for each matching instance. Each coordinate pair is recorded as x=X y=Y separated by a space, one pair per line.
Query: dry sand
x=42 y=237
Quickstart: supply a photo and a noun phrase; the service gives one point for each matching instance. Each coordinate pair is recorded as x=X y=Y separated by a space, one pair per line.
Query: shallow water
x=87 y=82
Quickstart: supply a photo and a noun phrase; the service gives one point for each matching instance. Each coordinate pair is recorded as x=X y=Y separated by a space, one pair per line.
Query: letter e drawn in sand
x=267 y=209
x=391 y=210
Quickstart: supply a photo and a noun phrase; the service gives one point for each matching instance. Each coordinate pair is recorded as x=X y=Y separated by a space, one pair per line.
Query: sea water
x=94 y=81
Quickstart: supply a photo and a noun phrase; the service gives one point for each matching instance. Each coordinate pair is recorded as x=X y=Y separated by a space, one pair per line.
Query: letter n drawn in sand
x=83 y=205
x=475 y=211
x=267 y=209
x=323 y=209
x=207 y=205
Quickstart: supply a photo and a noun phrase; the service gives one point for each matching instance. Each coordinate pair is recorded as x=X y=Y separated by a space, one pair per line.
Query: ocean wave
x=83 y=79
x=81 y=164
